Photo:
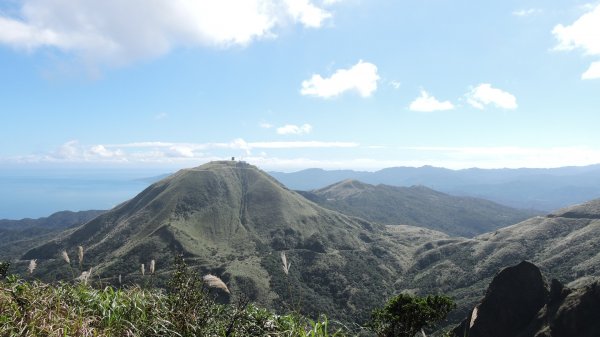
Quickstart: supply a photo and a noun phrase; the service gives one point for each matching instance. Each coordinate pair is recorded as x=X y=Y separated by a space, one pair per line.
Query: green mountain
x=18 y=236
x=526 y=188
x=417 y=206
x=234 y=221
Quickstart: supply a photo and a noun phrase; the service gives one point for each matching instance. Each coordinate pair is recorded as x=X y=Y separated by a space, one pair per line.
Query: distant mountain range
x=233 y=220
x=417 y=206
x=537 y=189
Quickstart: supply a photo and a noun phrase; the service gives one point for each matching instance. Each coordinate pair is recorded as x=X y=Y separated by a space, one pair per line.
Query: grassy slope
x=233 y=220
x=417 y=206
x=565 y=245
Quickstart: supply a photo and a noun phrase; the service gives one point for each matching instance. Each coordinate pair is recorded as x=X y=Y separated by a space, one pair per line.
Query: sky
x=294 y=84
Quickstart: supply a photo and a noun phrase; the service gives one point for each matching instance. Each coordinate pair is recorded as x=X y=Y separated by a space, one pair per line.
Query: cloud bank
x=118 y=32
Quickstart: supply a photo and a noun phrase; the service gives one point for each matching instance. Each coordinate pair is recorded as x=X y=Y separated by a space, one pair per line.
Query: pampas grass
x=32 y=266
x=85 y=276
x=143 y=269
x=473 y=317
x=286 y=265
x=152 y=264
x=80 y=255
x=65 y=257
x=214 y=282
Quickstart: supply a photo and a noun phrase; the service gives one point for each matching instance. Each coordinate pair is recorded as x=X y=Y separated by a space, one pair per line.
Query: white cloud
x=362 y=78
x=583 y=34
x=73 y=151
x=331 y=2
x=509 y=156
x=593 y=72
x=305 y=12
x=526 y=12
x=356 y=157
x=290 y=129
x=68 y=150
x=428 y=103
x=395 y=84
x=102 y=151
x=118 y=32
x=484 y=94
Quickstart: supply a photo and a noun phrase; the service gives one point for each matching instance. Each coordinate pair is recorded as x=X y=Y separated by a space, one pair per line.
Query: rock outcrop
x=519 y=303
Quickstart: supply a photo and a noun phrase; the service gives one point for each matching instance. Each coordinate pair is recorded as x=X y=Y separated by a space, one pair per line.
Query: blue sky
x=293 y=84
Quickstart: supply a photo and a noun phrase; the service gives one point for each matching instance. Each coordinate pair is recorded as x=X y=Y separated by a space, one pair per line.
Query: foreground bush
x=405 y=315
x=33 y=308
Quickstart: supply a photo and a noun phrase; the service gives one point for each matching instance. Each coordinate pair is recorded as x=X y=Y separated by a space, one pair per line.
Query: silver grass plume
x=286 y=265
x=32 y=266
x=119 y=278
x=473 y=317
x=152 y=263
x=85 y=276
x=143 y=270
x=65 y=257
x=80 y=255
x=215 y=282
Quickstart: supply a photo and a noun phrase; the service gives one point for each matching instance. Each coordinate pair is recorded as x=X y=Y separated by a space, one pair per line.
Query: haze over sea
x=39 y=193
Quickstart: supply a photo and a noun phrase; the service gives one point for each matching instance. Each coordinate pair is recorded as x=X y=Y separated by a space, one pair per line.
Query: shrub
x=405 y=315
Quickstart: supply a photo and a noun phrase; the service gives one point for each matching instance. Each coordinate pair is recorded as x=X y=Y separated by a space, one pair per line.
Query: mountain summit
x=232 y=219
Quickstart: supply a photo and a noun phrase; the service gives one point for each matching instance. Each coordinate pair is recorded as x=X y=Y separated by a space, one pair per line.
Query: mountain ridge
x=525 y=188
x=416 y=206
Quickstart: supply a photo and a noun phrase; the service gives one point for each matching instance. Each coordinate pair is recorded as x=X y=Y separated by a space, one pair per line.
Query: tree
x=405 y=315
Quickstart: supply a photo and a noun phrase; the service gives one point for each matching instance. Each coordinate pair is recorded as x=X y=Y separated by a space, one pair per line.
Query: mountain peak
x=233 y=220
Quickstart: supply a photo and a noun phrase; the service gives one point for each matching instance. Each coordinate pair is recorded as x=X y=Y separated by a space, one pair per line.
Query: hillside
x=520 y=303
x=564 y=244
x=539 y=189
x=18 y=236
x=233 y=220
x=417 y=206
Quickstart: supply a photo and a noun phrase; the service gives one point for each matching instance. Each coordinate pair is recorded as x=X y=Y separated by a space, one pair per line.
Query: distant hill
x=539 y=189
x=417 y=206
x=58 y=220
x=18 y=236
x=564 y=245
x=233 y=220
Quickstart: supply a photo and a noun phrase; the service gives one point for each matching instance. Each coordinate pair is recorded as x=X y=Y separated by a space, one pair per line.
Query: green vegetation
x=405 y=315
x=34 y=308
x=417 y=206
